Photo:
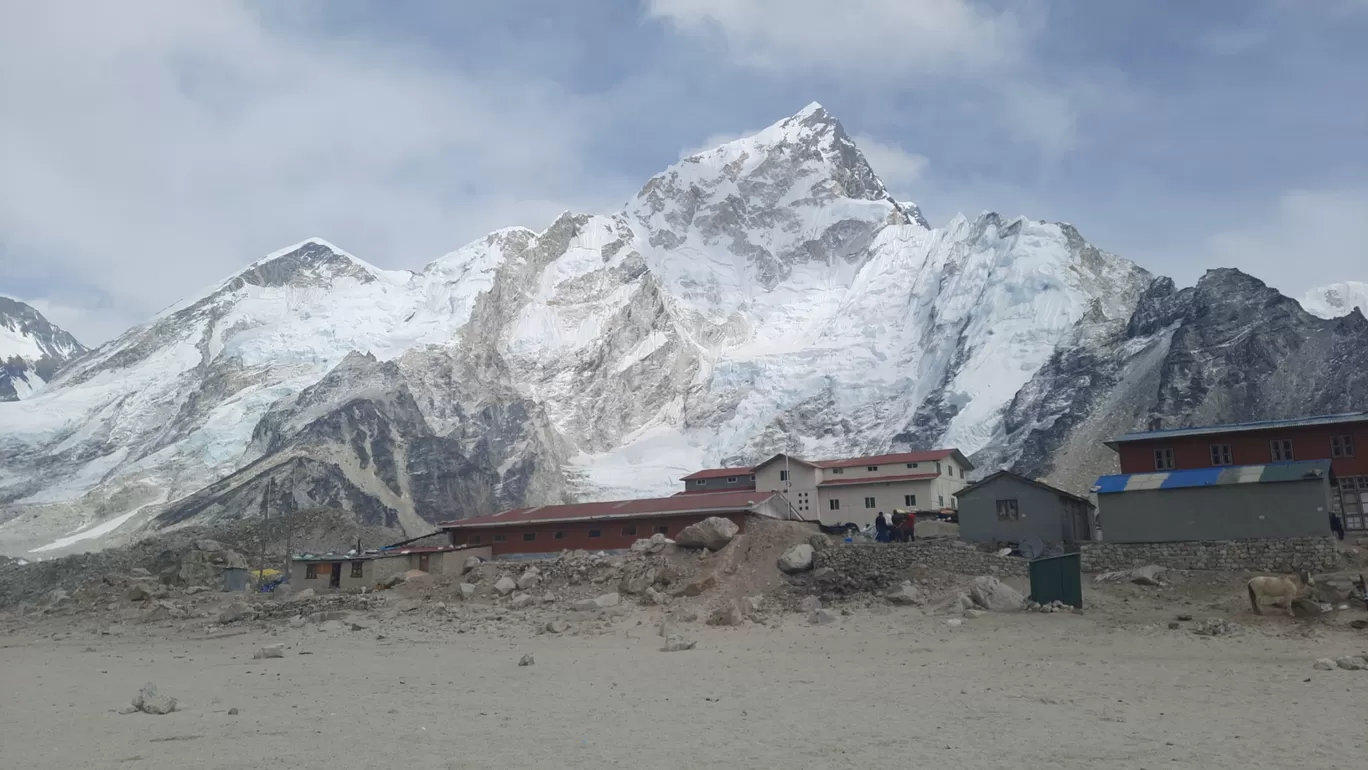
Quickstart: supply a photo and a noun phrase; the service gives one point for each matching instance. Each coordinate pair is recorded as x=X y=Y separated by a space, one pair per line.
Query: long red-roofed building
x=609 y=525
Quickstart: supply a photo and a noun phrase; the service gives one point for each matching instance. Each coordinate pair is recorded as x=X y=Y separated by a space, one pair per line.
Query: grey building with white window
x=1008 y=508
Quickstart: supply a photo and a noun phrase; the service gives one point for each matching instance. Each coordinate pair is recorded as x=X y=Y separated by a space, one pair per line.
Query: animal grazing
x=1285 y=588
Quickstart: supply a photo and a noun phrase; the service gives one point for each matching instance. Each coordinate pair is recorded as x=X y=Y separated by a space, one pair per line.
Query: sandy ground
x=895 y=688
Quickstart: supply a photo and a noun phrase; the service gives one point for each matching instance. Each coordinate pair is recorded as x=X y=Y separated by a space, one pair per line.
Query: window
x=311 y=572
x=356 y=569
x=951 y=470
x=1280 y=449
x=909 y=500
x=424 y=562
x=662 y=530
x=911 y=465
x=837 y=471
x=629 y=531
x=752 y=477
x=869 y=502
x=938 y=470
x=558 y=536
x=783 y=475
x=834 y=504
x=1220 y=454
x=1007 y=510
x=501 y=538
x=595 y=533
x=700 y=482
x=475 y=540
x=940 y=500
x=1163 y=459
x=529 y=537
x=1341 y=446
x=731 y=479
x=872 y=468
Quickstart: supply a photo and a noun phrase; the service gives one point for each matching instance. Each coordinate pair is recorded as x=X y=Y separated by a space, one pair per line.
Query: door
x=335 y=581
x=1351 y=494
x=423 y=562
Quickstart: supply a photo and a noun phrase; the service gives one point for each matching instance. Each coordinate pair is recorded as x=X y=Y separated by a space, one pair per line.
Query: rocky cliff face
x=32 y=350
x=766 y=295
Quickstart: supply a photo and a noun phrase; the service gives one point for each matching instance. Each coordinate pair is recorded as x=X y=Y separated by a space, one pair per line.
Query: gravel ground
x=877 y=689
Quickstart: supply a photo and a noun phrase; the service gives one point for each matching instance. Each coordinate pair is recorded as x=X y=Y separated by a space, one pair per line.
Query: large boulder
x=529 y=579
x=149 y=701
x=506 y=585
x=727 y=615
x=471 y=563
x=798 y=558
x=992 y=594
x=907 y=594
x=234 y=612
x=598 y=603
x=712 y=533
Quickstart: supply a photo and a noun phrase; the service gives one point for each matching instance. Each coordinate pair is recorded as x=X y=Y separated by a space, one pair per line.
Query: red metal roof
x=877 y=479
x=717 y=473
x=928 y=456
x=662 y=506
x=713 y=491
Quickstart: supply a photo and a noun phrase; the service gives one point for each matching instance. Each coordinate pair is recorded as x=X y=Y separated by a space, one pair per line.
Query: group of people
x=893 y=530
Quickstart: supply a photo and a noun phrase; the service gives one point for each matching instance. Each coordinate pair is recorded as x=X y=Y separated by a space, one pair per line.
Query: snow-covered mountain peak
x=31 y=350
x=1337 y=299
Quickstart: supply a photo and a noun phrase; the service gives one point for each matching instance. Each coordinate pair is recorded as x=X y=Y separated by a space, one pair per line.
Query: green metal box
x=1058 y=578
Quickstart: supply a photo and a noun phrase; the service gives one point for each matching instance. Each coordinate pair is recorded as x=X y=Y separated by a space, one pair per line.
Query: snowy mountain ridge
x=1336 y=299
x=31 y=350
x=766 y=295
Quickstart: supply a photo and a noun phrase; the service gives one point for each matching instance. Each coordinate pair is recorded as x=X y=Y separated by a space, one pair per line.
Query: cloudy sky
x=151 y=147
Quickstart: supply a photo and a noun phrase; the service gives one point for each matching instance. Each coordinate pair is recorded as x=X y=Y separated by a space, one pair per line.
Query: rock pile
x=1216 y=627
x=149 y=701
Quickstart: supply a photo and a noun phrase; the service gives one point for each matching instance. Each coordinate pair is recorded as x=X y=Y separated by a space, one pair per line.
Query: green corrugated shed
x=1058 y=578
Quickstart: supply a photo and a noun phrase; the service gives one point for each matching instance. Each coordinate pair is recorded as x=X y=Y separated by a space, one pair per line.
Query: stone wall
x=1314 y=554
x=869 y=559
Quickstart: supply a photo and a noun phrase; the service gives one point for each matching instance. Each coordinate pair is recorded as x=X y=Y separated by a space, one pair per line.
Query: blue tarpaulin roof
x=1210 y=477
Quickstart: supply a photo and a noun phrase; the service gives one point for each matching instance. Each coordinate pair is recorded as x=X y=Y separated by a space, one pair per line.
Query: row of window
x=1279 y=450
x=730 y=480
x=529 y=537
x=909 y=501
x=950 y=470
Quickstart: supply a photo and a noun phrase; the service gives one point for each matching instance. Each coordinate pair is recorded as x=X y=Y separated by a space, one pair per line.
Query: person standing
x=880 y=528
x=1337 y=525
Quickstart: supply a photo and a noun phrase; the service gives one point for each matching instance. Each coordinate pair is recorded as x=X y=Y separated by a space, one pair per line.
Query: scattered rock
x=726 y=615
x=1350 y=663
x=907 y=594
x=954 y=622
x=1184 y=618
x=1358 y=624
x=712 y=533
x=655 y=544
x=307 y=593
x=819 y=541
x=657 y=597
x=192 y=590
x=1147 y=575
x=557 y=626
x=798 y=558
x=695 y=587
x=270 y=651
x=139 y=572
x=521 y=601
x=149 y=701
x=821 y=617
x=297 y=621
x=209 y=545
x=360 y=625
x=471 y=563
x=608 y=600
x=1217 y=627
x=810 y=604
x=232 y=712
x=527 y=660
x=750 y=606
x=505 y=586
x=992 y=594
x=234 y=612
x=409 y=605
x=972 y=613
x=1173 y=625
x=529 y=579
x=677 y=643
x=467 y=590
x=1324 y=664
x=823 y=573
x=138 y=592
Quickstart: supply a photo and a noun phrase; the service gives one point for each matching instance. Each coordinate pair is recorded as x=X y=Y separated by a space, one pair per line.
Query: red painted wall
x=1252 y=448
x=576 y=534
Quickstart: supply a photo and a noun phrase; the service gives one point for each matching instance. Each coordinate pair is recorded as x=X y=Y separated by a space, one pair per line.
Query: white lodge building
x=857 y=489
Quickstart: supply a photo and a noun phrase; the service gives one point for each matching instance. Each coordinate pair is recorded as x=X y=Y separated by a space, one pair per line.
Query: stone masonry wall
x=869 y=559
x=1314 y=554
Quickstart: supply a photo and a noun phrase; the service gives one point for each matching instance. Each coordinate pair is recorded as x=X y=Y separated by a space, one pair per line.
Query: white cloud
x=904 y=44
x=152 y=147
x=1309 y=238
x=865 y=37
x=900 y=170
